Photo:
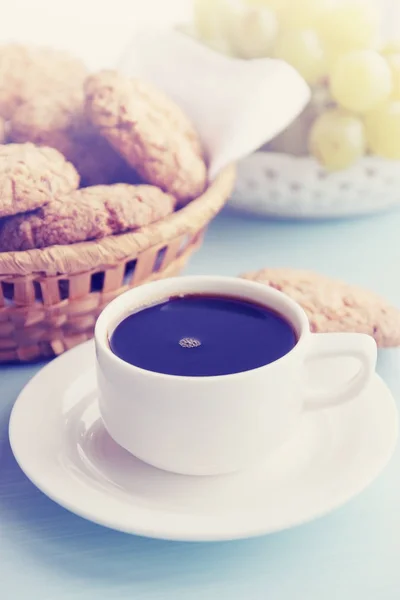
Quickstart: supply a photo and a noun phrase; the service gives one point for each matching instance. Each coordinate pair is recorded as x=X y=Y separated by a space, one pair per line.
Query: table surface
x=46 y=553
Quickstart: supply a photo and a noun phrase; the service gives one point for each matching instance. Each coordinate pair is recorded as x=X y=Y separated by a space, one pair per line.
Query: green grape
x=321 y=100
x=276 y=5
x=393 y=61
x=303 y=50
x=294 y=139
x=251 y=32
x=305 y=14
x=337 y=139
x=361 y=80
x=392 y=47
x=352 y=24
x=383 y=130
x=207 y=18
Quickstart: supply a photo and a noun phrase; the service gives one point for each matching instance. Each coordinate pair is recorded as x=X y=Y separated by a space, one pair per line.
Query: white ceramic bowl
x=281 y=185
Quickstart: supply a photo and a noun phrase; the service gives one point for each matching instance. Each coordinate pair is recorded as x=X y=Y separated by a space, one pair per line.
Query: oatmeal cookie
x=3 y=131
x=30 y=177
x=28 y=71
x=58 y=120
x=86 y=214
x=150 y=131
x=335 y=306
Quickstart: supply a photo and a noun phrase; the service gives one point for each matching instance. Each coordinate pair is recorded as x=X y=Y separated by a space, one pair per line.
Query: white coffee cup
x=222 y=424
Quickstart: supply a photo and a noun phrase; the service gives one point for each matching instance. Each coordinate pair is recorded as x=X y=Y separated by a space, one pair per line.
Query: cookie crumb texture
x=30 y=177
x=86 y=214
x=150 y=131
x=335 y=306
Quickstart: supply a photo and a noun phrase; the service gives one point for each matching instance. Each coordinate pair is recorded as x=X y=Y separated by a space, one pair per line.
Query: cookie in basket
x=335 y=306
x=3 y=131
x=30 y=177
x=86 y=214
x=26 y=71
x=150 y=131
x=58 y=120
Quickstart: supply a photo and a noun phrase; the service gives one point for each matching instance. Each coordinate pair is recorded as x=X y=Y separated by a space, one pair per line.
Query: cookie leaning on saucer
x=86 y=214
x=150 y=131
x=335 y=306
x=30 y=177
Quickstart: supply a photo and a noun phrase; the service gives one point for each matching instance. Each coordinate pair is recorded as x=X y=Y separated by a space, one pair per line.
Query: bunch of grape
x=335 y=45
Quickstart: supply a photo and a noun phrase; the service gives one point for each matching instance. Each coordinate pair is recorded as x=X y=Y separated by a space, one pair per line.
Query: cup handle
x=350 y=345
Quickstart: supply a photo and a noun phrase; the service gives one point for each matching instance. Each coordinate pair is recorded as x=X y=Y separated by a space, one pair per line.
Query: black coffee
x=202 y=335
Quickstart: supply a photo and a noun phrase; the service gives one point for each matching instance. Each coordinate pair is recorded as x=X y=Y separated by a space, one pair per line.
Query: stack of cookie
x=84 y=156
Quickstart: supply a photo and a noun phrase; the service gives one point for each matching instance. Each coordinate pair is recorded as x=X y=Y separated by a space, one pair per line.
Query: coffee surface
x=202 y=335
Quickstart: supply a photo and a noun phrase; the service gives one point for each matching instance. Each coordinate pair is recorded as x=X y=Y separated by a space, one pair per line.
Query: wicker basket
x=50 y=298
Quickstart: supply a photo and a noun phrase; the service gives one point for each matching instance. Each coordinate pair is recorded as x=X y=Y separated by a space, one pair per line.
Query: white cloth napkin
x=236 y=105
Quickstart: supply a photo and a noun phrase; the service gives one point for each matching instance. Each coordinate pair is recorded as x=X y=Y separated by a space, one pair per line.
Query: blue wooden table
x=47 y=553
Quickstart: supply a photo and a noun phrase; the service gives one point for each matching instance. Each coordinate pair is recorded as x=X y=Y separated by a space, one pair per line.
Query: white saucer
x=60 y=443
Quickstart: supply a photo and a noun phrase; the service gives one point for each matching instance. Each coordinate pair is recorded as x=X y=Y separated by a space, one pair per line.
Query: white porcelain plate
x=60 y=443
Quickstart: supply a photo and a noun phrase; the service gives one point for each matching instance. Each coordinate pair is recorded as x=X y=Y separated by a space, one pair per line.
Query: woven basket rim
x=105 y=252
